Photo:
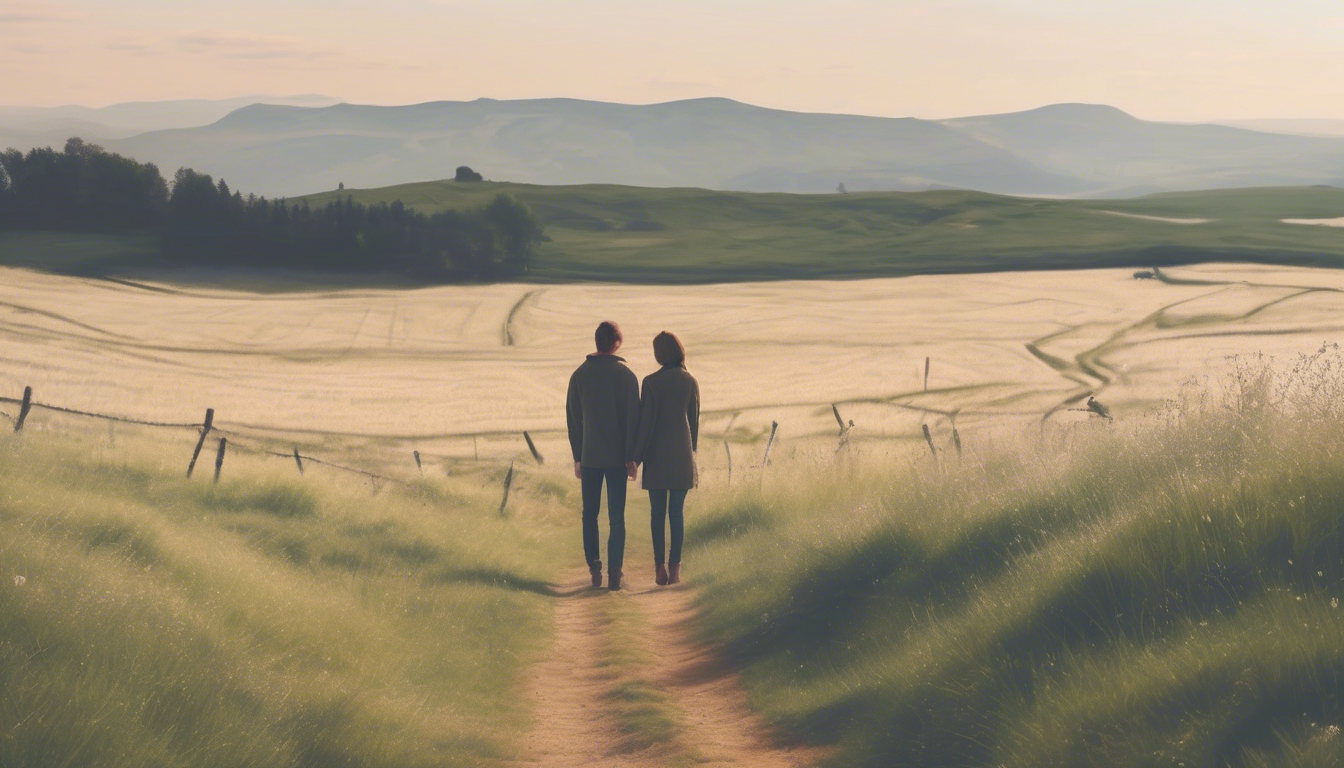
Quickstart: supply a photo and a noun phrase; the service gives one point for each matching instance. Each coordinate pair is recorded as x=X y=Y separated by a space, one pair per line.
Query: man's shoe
x=614 y=580
x=595 y=568
x=674 y=573
x=660 y=575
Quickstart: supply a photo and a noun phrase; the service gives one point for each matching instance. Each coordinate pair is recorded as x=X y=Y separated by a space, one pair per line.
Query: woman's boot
x=595 y=568
x=660 y=575
x=674 y=573
x=613 y=580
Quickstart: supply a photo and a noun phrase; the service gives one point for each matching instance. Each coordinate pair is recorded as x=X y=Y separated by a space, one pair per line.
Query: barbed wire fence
x=230 y=440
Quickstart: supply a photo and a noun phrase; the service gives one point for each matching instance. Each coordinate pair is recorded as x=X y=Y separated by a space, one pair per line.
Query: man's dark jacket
x=603 y=412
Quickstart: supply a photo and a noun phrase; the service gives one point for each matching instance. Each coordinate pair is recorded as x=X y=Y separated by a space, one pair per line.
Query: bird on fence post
x=24 y=407
x=1098 y=408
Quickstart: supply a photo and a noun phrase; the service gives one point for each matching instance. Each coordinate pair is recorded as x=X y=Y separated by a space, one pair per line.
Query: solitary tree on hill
x=465 y=173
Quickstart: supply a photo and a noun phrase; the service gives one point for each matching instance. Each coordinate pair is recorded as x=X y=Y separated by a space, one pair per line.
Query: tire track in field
x=575 y=727
x=1093 y=374
x=510 y=339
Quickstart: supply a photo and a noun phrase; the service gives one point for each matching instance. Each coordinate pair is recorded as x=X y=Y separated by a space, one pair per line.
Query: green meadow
x=684 y=235
x=635 y=234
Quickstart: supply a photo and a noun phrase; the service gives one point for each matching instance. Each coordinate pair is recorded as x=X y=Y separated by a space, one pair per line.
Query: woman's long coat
x=669 y=429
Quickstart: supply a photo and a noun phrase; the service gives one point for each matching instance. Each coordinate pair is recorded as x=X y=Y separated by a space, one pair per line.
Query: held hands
x=578 y=470
x=631 y=469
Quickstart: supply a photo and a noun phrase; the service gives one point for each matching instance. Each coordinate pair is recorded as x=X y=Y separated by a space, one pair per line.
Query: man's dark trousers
x=592 y=501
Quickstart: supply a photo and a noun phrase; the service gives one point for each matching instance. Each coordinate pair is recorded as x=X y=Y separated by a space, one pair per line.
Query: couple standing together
x=613 y=430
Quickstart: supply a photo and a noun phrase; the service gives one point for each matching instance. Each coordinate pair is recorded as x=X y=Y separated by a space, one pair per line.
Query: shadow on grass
x=494 y=577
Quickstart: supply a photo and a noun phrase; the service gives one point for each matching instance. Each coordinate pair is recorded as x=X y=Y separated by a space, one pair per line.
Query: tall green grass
x=1163 y=593
x=269 y=620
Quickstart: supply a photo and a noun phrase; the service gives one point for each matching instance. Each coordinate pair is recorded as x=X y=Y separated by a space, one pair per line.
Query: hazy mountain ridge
x=717 y=143
x=27 y=127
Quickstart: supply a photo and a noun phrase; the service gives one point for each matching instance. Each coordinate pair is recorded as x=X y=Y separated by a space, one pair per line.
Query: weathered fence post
x=729 y=453
x=926 y=374
x=298 y=461
x=219 y=457
x=531 y=446
x=508 y=482
x=205 y=430
x=956 y=441
x=24 y=408
x=418 y=465
x=774 y=427
x=928 y=438
x=844 y=430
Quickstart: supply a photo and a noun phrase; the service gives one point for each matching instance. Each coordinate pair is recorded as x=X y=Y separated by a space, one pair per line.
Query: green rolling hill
x=606 y=232
x=642 y=234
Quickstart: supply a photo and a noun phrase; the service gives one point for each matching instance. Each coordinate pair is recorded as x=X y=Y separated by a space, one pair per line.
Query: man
x=603 y=414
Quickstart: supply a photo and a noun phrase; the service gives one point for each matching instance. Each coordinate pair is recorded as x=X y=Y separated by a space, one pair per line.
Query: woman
x=669 y=427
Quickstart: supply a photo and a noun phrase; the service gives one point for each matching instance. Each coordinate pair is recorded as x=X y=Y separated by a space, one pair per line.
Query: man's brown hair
x=667 y=349
x=608 y=335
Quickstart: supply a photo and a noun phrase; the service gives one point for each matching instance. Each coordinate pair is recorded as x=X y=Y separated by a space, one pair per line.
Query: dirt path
x=569 y=690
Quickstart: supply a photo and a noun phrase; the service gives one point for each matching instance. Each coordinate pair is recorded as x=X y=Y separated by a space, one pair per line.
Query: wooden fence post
x=508 y=482
x=531 y=446
x=926 y=374
x=928 y=438
x=418 y=465
x=219 y=457
x=298 y=461
x=729 y=453
x=24 y=408
x=844 y=430
x=205 y=430
x=956 y=441
x=774 y=427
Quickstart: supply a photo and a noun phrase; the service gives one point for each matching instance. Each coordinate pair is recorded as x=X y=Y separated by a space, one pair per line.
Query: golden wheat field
x=458 y=372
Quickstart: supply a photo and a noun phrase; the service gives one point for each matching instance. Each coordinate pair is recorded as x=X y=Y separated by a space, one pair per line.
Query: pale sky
x=1158 y=59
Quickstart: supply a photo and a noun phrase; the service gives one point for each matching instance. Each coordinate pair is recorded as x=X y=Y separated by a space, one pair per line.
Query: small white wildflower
x=19 y=581
x=1203 y=623
x=1334 y=602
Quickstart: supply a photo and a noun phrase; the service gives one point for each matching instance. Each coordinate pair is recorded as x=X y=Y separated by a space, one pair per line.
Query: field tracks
x=509 y=336
x=639 y=644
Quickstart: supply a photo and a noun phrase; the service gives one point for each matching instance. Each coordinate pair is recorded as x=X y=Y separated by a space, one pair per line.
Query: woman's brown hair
x=667 y=349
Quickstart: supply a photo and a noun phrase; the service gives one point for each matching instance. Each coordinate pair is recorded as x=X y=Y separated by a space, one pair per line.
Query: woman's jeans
x=669 y=504
x=592 y=501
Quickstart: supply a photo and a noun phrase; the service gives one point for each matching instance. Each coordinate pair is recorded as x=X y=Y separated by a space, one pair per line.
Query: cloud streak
x=19 y=12
x=246 y=45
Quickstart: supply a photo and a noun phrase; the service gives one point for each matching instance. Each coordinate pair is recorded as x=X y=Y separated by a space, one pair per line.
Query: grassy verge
x=1166 y=594
x=268 y=620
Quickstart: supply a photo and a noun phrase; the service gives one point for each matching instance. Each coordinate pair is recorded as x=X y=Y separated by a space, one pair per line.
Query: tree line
x=201 y=221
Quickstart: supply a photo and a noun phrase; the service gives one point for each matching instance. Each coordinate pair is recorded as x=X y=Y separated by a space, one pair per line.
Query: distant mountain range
x=1076 y=150
x=27 y=127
